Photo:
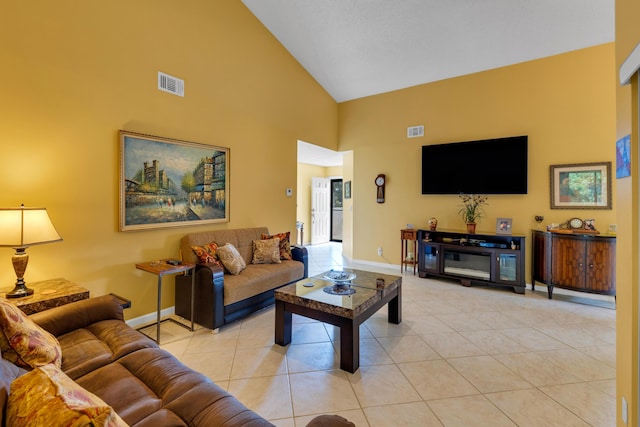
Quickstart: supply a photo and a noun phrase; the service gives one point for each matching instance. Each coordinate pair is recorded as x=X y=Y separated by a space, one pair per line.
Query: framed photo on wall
x=347 y=190
x=166 y=182
x=581 y=186
x=623 y=157
x=503 y=225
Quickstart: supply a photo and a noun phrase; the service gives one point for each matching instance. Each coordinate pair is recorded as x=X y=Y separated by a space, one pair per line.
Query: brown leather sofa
x=144 y=384
x=221 y=298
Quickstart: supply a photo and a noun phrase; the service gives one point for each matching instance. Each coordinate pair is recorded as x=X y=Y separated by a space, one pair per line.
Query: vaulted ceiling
x=358 y=48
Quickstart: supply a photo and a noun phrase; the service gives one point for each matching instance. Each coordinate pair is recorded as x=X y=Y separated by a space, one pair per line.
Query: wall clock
x=380 y=181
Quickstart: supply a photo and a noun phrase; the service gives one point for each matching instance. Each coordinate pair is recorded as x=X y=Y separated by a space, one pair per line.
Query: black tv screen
x=490 y=166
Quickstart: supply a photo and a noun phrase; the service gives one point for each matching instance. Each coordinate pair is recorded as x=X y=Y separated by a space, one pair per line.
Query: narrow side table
x=161 y=268
x=47 y=294
x=407 y=235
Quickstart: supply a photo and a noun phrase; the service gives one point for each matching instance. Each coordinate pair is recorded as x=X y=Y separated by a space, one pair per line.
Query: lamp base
x=19 y=261
x=19 y=291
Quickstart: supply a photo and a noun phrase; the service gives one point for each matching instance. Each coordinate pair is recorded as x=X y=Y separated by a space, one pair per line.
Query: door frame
x=331 y=222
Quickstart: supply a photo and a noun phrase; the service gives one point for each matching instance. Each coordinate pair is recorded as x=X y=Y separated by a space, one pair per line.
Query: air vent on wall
x=415 y=131
x=170 y=84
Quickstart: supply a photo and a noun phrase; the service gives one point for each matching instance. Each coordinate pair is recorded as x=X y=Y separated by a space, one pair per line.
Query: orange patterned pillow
x=46 y=396
x=285 y=243
x=207 y=254
x=23 y=342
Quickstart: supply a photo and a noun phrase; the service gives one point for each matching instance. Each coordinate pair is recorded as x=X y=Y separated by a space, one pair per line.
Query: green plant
x=472 y=208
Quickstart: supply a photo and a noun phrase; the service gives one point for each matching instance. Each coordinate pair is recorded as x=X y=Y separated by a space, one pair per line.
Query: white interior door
x=320 y=210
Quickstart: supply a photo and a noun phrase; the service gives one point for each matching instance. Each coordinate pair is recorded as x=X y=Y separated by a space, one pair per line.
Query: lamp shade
x=23 y=227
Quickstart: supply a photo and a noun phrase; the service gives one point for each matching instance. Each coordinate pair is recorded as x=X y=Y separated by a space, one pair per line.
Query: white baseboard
x=150 y=318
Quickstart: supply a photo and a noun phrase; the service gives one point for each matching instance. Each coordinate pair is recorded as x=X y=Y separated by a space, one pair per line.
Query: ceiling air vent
x=415 y=131
x=170 y=84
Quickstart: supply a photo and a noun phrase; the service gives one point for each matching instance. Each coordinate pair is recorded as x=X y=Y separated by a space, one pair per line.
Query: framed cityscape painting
x=170 y=183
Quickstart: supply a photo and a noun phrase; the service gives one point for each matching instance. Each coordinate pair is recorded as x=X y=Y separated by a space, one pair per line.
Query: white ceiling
x=359 y=48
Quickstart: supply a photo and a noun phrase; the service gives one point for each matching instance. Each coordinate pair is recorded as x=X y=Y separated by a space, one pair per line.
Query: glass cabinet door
x=430 y=259
x=507 y=266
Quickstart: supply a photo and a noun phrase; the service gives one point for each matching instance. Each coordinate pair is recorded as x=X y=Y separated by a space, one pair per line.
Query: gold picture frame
x=167 y=182
x=581 y=186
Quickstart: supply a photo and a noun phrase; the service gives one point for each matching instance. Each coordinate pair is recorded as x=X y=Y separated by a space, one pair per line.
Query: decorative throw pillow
x=266 y=251
x=207 y=254
x=46 y=396
x=285 y=243
x=231 y=259
x=23 y=342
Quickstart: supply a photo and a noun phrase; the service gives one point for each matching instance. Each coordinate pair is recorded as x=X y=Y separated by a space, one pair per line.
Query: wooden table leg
x=415 y=256
x=283 y=324
x=349 y=347
x=395 y=308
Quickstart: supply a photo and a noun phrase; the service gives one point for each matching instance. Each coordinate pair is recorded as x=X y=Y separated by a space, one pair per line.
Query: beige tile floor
x=461 y=357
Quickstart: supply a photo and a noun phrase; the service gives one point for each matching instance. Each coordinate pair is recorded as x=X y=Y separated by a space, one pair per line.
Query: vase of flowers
x=472 y=210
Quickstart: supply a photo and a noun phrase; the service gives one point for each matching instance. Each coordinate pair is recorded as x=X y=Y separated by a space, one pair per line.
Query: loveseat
x=222 y=297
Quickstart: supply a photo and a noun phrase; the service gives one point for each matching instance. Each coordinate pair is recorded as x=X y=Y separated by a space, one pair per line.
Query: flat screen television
x=490 y=166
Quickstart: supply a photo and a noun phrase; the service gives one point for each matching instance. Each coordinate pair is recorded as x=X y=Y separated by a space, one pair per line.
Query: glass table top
x=369 y=288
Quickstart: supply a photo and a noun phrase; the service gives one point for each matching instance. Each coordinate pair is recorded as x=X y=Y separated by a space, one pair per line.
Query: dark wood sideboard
x=489 y=259
x=578 y=262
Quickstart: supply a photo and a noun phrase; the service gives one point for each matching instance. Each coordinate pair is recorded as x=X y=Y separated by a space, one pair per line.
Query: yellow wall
x=627 y=37
x=303 y=211
x=564 y=103
x=75 y=73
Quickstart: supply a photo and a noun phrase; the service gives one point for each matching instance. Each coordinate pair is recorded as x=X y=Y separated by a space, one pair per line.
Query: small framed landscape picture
x=581 y=186
x=503 y=226
x=347 y=190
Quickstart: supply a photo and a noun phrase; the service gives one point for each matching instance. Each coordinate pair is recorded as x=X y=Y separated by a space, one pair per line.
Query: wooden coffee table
x=348 y=312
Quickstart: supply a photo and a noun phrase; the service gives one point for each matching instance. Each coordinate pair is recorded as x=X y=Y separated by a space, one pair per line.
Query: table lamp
x=20 y=228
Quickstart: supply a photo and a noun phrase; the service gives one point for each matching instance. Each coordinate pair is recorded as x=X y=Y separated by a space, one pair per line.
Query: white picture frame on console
x=503 y=225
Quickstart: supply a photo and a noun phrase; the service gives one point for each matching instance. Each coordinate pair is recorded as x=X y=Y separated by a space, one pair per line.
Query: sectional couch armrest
x=79 y=314
x=214 y=269
x=209 y=297
x=299 y=253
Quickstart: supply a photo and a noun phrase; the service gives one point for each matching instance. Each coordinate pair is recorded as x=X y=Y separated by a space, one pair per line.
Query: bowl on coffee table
x=342 y=282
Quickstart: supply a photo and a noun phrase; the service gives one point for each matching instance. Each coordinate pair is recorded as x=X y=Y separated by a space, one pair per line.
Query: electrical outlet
x=379 y=251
